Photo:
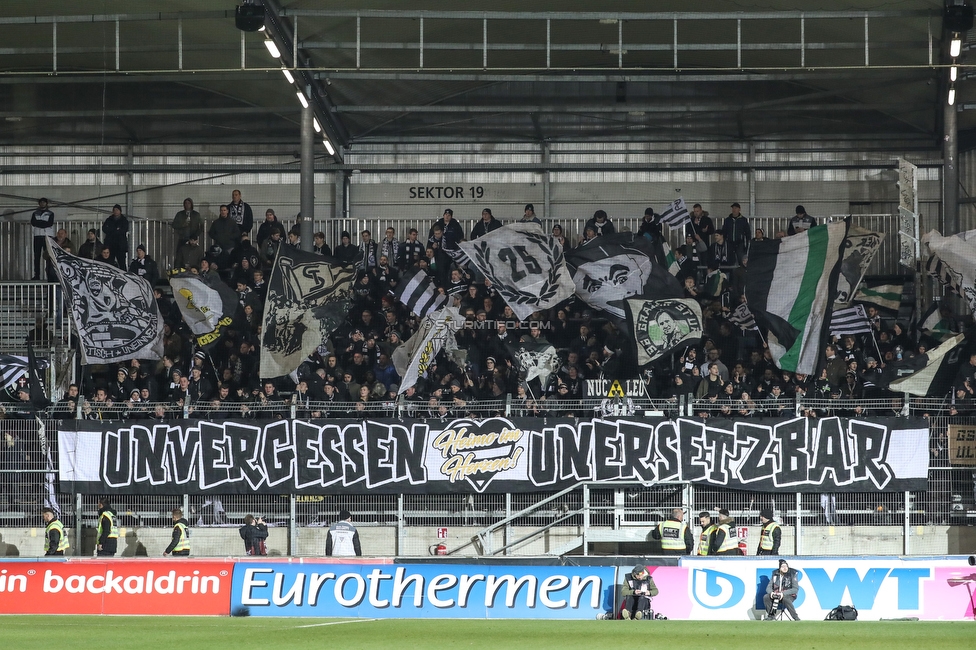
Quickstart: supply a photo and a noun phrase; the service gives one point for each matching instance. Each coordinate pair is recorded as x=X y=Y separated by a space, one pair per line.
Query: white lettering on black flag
x=493 y=455
x=308 y=296
x=525 y=265
x=114 y=312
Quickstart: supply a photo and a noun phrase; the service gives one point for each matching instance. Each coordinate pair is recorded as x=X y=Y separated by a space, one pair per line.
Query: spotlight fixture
x=329 y=147
x=249 y=17
x=316 y=125
x=285 y=71
x=952 y=96
x=953 y=73
x=302 y=99
x=955 y=46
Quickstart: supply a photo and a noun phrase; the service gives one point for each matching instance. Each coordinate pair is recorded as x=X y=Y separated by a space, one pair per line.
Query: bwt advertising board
x=881 y=587
x=423 y=591
x=169 y=587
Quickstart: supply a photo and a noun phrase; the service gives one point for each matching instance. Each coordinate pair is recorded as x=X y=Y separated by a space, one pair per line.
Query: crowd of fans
x=731 y=373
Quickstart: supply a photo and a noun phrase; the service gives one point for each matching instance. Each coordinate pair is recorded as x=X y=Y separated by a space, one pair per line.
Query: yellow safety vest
x=184 y=543
x=766 y=536
x=705 y=538
x=731 y=541
x=62 y=542
x=113 y=529
x=672 y=535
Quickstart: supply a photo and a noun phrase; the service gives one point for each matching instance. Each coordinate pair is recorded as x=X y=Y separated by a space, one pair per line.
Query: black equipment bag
x=842 y=613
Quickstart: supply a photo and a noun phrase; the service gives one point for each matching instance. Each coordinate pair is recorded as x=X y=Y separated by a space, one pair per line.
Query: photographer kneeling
x=781 y=590
x=637 y=591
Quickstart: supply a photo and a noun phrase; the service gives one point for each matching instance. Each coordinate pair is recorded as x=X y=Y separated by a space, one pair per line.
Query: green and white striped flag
x=886 y=296
x=671 y=262
x=790 y=287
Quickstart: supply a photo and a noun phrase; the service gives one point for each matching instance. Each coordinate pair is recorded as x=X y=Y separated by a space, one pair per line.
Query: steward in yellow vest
x=674 y=534
x=707 y=537
x=108 y=529
x=726 y=540
x=771 y=535
x=55 y=541
x=180 y=544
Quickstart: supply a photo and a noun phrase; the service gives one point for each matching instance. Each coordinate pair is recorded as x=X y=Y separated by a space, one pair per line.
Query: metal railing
x=16 y=239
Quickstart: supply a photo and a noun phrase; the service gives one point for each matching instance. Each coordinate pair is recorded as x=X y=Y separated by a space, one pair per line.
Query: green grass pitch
x=25 y=632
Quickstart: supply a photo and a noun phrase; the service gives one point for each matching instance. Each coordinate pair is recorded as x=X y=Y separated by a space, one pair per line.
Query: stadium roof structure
x=411 y=71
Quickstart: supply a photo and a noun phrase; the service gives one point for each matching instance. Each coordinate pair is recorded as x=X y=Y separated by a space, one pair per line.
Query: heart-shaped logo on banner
x=477 y=451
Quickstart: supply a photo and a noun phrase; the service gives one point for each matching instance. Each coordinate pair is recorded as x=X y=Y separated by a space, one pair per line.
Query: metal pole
x=400 y=525
x=586 y=519
x=950 y=171
x=292 y=526
x=78 y=522
x=546 y=182
x=508 y=526
x=307 y=176
x=752 y=180
x=906 y=530
x=797 y=546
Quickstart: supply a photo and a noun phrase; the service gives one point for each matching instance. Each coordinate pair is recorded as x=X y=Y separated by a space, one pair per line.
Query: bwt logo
x=718 y=590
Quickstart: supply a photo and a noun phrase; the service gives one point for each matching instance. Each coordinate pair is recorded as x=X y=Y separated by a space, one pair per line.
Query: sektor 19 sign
x=447 y=192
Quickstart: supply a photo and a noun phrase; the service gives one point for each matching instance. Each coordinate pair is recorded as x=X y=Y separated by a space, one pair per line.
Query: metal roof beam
x=151 y=112
x=609 y=15
x=652 y=76
x=111 y=18
x=611 y=108
x=606 y=48
x=641 y=165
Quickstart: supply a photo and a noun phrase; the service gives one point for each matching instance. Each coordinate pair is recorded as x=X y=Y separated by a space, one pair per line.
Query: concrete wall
x=381 y=541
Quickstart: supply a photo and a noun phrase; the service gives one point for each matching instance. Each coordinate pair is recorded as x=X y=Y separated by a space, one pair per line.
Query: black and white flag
x=419 y=294
x=114 y=312
x=660 y=326
x=308 y=297
x=676 y=214
x=208 y=307
x=12 y=369
x=535 y=358
x=952 y=261
x=742 y=317
x=525 y=266
x=860 y=247
x=436 y=333
x=851 y=320
x=609 y=269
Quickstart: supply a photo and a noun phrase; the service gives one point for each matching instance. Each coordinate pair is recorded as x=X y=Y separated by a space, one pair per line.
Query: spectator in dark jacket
x=92 y=247
x=116 y=230
x=601 y=224
x=268 y=226
x=240 y=212
x=144 y=266
x=187 y=223
x=486 y=225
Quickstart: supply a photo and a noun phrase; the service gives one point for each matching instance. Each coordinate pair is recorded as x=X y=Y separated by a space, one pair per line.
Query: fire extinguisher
x=440 y=548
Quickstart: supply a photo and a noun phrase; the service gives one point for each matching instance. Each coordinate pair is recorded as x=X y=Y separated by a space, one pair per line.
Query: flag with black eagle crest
x=309 y=295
